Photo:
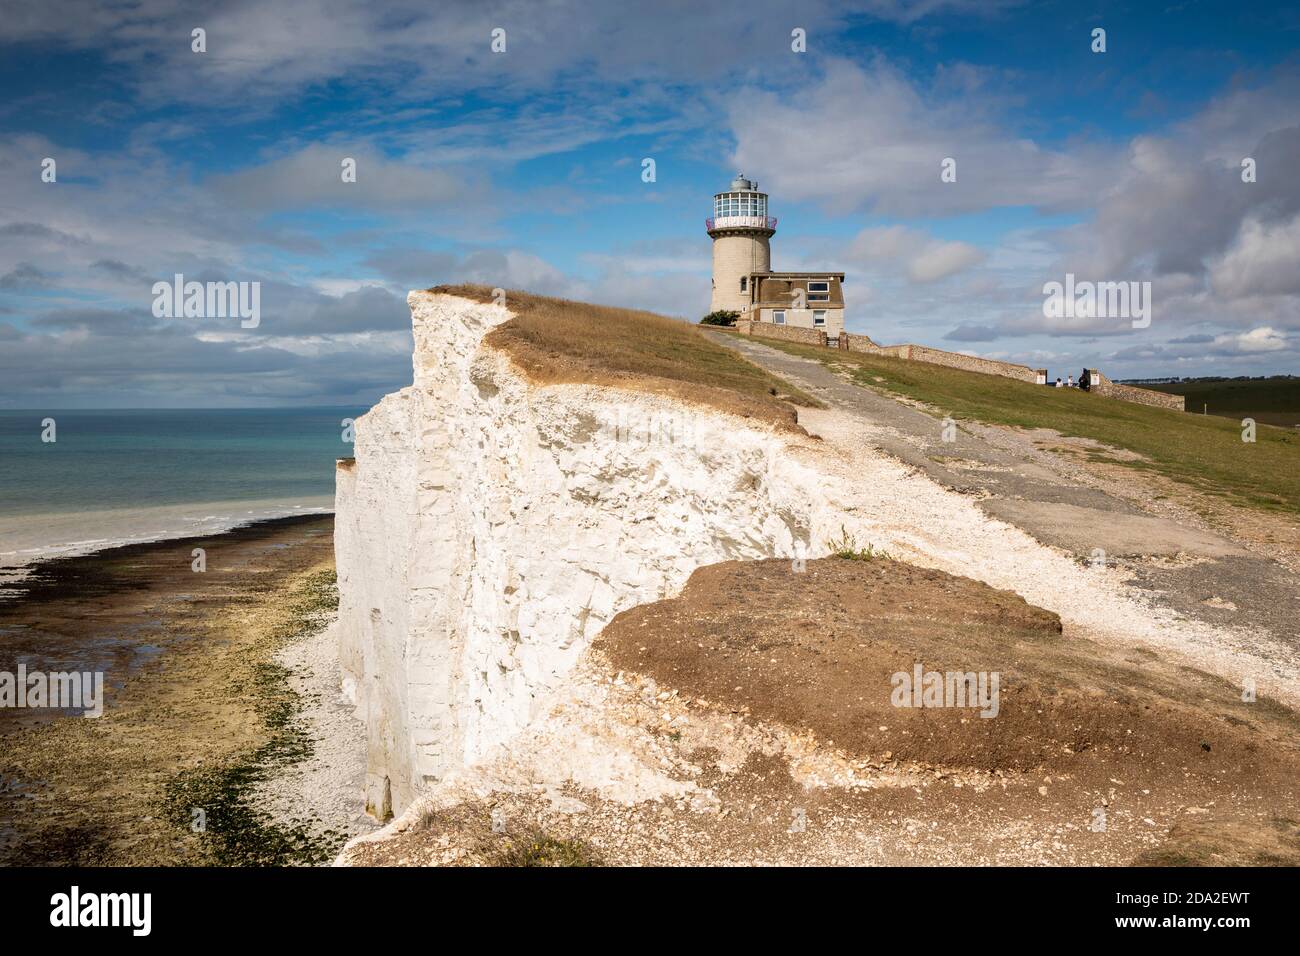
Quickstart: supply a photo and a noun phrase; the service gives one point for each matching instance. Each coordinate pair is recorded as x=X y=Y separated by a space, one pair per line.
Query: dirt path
x=1201 y=573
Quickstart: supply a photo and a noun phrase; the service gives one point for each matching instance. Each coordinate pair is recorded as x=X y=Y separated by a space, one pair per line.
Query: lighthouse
x=741 y=232
x=743 y=280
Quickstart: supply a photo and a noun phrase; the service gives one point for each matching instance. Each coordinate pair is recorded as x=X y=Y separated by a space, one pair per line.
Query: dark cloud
x=292 y=310
x=413 y=267
x=99 y=321
x=973 y=333
x=111 y=358
x=313 y=177
x=31 y=230
x=120 y=271
x=26 y=276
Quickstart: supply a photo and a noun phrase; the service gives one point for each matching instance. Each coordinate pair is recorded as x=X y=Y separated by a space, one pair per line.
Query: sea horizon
x=101 y=478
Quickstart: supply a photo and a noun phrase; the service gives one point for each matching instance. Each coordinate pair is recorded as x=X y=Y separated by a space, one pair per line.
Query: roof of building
x=805 y=274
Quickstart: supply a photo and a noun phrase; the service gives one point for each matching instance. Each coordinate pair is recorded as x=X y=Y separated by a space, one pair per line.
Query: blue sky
x=523 y=169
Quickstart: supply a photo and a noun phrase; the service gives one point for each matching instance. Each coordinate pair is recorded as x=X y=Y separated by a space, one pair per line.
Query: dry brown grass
x=559 y=341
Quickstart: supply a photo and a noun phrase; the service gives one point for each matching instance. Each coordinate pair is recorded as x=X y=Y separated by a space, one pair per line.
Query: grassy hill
x=1272 y=401
x=557 y=340
x=1203 y=451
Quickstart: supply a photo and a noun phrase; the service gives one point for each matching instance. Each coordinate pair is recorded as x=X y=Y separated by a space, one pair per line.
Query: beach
x=224 y=739
x=26 y=539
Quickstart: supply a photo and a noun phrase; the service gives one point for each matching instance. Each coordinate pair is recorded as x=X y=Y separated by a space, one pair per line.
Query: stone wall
x=922 y=353
x=857 y=343
x=1103 y=386
x=788 y=333
x=970 y=363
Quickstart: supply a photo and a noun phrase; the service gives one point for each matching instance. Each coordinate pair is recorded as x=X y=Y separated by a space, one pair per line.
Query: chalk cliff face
x=490 y=528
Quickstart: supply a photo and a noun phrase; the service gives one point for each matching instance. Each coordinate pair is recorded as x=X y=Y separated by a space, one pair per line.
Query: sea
x=122 y=476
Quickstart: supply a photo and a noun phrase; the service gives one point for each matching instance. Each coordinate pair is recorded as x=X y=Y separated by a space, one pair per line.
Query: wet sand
x=200 y=712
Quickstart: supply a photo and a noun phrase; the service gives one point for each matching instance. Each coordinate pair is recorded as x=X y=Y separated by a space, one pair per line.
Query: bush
x=721 y=317
x=847 y=547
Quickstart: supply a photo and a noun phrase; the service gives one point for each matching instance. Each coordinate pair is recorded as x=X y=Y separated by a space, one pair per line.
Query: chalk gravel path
x=1001 y=516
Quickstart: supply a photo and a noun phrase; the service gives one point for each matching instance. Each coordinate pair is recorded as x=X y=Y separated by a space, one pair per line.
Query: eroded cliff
x=490 y=527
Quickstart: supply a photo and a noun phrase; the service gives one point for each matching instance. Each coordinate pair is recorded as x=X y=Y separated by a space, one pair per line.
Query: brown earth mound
x=826 y=650
x=774 y=692
x=820 y=649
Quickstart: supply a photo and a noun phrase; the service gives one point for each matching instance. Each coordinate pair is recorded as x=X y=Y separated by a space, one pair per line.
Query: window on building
x=729 y=205
x=819 y=291
x=779 y=317
x=819 y=317
x=744 y=283
x=819 y=287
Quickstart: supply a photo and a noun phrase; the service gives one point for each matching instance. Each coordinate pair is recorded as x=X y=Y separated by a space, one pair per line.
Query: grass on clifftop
x=556 y=340
x=1202 y=451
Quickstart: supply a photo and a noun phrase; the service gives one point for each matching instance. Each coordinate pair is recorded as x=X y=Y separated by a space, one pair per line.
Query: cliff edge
x=519 y=497
x=491 y=526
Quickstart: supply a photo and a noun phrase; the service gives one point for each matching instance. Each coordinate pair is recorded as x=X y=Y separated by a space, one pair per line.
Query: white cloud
x=1264 y=260
x=313 y=176
x=258 y=52
x=1263 y=339
x=869 y=138
x=941 y=259
x=925 y=258
x=1169 y=208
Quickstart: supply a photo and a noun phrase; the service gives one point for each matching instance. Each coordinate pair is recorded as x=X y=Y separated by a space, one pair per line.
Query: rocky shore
x=224 y=739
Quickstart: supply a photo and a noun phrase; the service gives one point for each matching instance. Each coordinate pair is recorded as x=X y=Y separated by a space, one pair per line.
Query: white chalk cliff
x=490 y=527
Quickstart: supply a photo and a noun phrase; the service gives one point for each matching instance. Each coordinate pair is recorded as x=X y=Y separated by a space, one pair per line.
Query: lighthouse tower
x=741 y=230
